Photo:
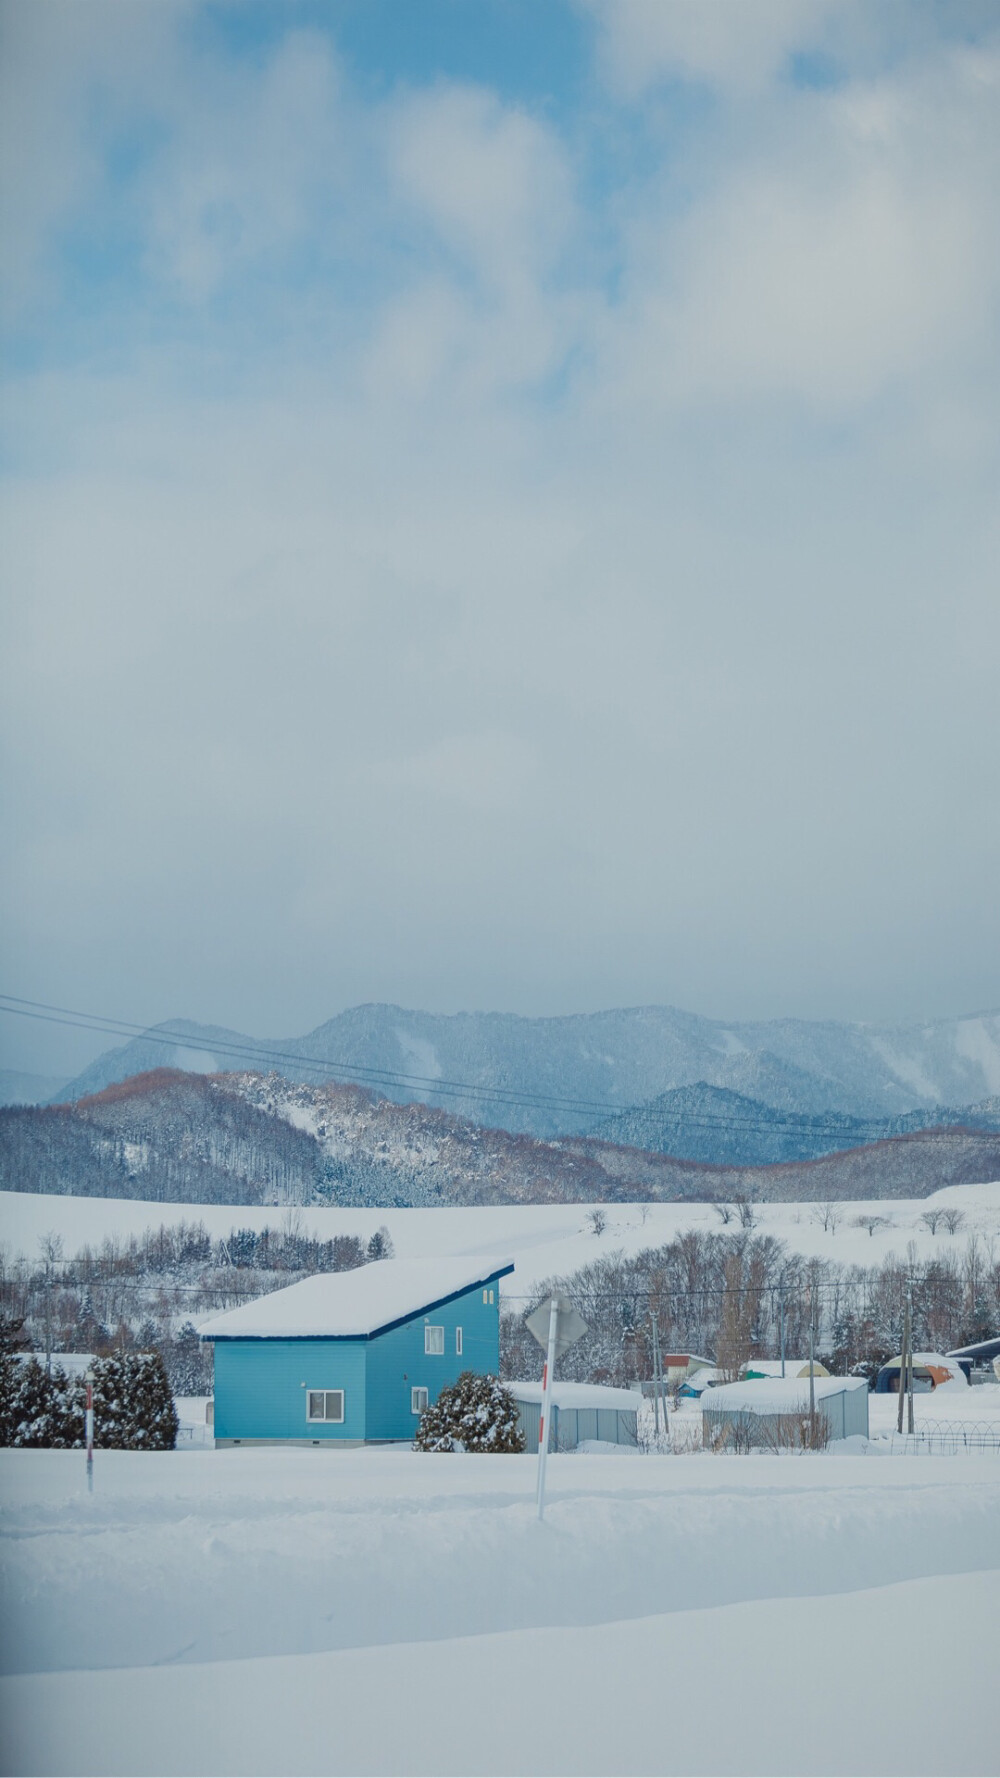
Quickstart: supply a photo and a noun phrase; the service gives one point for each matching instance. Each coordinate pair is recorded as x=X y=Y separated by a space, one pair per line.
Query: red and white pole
x=89 y=1420
x=546 y=1414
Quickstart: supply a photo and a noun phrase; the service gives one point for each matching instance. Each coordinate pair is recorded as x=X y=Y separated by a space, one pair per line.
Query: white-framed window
x=491 y=1296
x=325 y=1404
x=419 y=1399
x=458 y=1342
x=486 y=1295
x=434 y=1341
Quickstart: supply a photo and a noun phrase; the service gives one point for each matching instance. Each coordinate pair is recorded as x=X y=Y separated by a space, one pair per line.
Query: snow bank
x=604 y=1690
x=191 y=1556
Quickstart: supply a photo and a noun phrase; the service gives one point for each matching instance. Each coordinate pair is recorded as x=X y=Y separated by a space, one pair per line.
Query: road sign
x=570 y=1326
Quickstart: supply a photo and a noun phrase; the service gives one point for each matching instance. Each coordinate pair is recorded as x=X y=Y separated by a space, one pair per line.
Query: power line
x=859 y=1130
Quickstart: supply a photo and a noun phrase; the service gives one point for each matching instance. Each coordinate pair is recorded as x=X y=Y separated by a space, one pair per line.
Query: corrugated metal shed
x=766 y=1412
x=580 y=1412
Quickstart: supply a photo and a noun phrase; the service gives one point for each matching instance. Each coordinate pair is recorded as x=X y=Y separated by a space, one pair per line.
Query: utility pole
x=910 y=1355
x=781 y=1314
x=656 y=1375
x=903 y=1360
x=812 y=1352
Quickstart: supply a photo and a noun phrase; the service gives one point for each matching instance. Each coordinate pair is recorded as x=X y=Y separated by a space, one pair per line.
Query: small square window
x=458 y=1342
x=434 y=1341
x=325 y=1404
x=419 y=1399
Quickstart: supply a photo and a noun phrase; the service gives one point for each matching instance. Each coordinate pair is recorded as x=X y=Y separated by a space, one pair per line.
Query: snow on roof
x=352 y=1305
x=794 y=1367
x=928 y=1361
x=579 y=1395
x=774 y=1396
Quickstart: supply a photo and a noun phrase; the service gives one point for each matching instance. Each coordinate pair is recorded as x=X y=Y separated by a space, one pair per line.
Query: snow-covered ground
x=542 y=1239
x=377 y=1611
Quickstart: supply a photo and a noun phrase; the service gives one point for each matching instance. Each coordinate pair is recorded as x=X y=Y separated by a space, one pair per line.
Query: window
x=434 y=1341
x=418 y=1400
x=485 y=1295
x=458 y=1342
x=491 y=1296
x=325 y=1404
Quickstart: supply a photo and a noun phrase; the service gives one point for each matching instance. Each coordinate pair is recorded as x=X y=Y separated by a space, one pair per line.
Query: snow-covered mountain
x=250 y=1138
x=551 y=1077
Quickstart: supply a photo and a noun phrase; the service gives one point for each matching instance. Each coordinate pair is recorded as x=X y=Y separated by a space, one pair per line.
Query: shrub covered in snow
x=44 y=1408
x=133 y=1406
x=475 y=1414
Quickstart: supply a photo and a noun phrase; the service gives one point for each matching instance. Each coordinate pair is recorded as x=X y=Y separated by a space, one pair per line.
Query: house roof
x=771 y=1367
x=769 y=1395
x=928 y=1361
x=357 y=1304
x=579 y=1395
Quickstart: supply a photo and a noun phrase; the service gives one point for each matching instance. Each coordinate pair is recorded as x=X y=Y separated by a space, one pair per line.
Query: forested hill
x=705 y=1123
x=252 y=1138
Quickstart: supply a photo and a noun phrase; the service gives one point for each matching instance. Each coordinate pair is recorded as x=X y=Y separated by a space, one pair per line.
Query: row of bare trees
x=725 y=1297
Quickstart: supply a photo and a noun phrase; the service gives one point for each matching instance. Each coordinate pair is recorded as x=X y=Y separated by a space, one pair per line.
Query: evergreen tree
x=12 y=1341
x=475 y=1414
x=133 y=1405
x=380 y=1244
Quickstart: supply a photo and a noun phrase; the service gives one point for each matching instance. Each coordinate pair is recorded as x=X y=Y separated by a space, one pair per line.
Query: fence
x=943 y=1437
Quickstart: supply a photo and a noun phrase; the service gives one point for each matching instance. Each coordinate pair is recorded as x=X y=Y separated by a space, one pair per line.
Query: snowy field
x=383 y=1612
x=375 y=1611
x=542 y=1239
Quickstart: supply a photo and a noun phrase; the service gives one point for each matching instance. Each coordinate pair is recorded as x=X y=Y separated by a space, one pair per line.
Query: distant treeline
x=720 y=1296
x=145 y=1293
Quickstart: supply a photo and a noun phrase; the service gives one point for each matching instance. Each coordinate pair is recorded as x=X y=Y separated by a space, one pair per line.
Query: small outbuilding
x=707 y=1376
x=931 y=1370
x=352 y=1358
x=772 y=1413
x=581 y=1412
x=976 y=1360
x=771 y=1367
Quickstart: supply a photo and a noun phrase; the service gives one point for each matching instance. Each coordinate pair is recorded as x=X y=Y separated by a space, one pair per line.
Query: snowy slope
x=541 y=1239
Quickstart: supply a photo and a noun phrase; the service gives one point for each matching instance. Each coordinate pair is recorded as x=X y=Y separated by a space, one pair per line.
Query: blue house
x=352 y=1358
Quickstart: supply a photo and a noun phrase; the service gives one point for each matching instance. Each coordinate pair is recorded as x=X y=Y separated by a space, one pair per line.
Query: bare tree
x=724 y=1212
x=931 y=1218
x=828 y=1215
x=953 y=1220
x=597 y=1220
x=871 y=1223
x=744 y=1210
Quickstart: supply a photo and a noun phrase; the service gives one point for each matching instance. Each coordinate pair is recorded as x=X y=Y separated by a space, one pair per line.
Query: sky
x=499 y=509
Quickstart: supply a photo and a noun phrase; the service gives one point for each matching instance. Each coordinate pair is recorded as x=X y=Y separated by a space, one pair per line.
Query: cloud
x=851 y=248
x=725 y=43
x=456 y=567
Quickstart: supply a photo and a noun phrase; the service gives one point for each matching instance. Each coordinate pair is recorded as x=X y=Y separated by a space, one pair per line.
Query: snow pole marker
x=556 y=1326
x=543 y=1423
x=89 y=1424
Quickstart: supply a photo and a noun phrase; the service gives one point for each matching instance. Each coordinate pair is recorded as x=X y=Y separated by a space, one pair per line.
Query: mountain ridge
x=557 y=1076
x=260 y=1139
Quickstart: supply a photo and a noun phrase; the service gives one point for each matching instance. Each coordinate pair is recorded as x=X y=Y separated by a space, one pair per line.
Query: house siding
x=398 y=1363
x=261 y=1386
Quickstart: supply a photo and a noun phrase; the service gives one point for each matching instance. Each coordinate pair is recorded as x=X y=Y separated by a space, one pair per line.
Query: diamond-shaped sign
x=570 y=1326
